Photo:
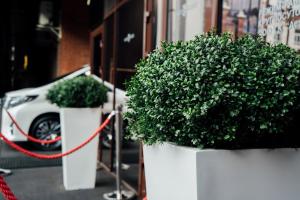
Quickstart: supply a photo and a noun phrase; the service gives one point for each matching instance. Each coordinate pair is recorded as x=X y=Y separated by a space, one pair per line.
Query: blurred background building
x=42 y=39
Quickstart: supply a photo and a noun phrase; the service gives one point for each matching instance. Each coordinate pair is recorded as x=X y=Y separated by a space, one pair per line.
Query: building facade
x=41 y=39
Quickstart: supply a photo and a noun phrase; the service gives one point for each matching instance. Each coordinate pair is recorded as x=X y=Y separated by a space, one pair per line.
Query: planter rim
x=195 y=149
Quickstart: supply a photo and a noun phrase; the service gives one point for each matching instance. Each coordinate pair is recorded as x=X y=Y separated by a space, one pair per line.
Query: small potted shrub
x=79 y=100
x=216 y=118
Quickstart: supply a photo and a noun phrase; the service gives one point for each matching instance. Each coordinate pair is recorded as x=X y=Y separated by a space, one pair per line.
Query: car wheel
x=46 y=127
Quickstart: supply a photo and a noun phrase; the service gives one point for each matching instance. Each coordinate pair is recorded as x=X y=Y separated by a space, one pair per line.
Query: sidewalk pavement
x=34 y=179
x=46 y=184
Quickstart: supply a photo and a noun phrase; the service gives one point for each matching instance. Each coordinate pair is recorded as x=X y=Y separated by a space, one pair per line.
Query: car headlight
x=15 y=101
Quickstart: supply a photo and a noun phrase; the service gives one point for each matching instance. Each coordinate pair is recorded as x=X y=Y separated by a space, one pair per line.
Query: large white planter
x=79 y=168
x=181 y=173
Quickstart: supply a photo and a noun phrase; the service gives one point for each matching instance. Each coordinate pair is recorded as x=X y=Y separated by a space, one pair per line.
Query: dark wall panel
x=130 y=41
x=108 y=48
x=4 y=56
x=21 y=38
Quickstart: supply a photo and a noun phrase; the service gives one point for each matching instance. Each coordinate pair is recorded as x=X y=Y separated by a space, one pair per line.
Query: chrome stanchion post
x=119 y=194
x=119 y=129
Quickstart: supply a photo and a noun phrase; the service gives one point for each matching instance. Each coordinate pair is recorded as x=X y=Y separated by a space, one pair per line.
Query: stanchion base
x=126 y=195
x=5 y=172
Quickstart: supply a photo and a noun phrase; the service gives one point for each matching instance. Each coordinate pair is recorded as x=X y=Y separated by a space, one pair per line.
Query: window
x=277 y=37
x=277 y=21
x=240 y=17
x=185 y=19
x=188 y=18
x=297 y=39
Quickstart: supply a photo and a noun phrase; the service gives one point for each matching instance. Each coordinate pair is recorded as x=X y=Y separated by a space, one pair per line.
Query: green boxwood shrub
x=214 y=92
x=78 y=92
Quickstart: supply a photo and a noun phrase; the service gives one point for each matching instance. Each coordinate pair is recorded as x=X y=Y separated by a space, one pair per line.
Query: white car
x=38 y=117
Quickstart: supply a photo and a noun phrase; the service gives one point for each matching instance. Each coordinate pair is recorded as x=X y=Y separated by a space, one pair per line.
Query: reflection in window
x=185 y=19
x=240 y=16
x=297 y=34
x=277 y=21
x=297 y=39
x=292 y=36
x=277 y=38
x=284 y=22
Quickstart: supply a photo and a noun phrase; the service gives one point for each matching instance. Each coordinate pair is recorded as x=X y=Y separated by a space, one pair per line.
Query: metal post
x=119 y=123
x=119 y=194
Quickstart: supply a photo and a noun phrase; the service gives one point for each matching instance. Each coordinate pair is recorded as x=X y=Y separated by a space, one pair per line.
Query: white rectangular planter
x=182 y=173
x=79 y=168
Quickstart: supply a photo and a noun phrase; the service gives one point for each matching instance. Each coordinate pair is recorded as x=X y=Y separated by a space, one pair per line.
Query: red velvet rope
x=59 y=155
x=30 y=138
x=7 y=193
